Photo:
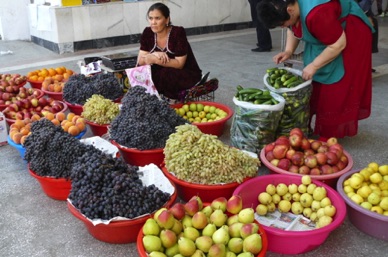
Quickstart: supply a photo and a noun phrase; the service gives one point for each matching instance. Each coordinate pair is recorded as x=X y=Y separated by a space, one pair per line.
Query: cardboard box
x=71 y=2
x=3 y=130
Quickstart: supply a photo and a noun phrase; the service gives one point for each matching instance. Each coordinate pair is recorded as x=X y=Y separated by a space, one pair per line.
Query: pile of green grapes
x=100 y=110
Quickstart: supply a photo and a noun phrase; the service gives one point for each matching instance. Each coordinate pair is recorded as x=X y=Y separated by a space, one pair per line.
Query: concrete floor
x=31 y=224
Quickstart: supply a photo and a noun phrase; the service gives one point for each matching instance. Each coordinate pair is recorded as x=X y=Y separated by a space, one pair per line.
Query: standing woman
x=337 y=56
x=165 y=47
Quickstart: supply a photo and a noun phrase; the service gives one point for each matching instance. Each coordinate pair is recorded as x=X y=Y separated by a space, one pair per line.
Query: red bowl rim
x=51 y=93
x=224 y=107
x=198 y=186
x=352 y=204
x=73 y=105
x=46 y=178
x=317 y=177
x=337 y=221
x=96 y=124
x=134 y=150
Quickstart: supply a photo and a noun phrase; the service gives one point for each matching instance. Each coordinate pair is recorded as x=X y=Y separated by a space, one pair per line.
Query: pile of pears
x=305 y=199
x=220 y=228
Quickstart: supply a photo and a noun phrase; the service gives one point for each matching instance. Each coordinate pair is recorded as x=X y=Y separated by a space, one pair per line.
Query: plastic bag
x=296 y=112
x=142 y=76
x=255 y=125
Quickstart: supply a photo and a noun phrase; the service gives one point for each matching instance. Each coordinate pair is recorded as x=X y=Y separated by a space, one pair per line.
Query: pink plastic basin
x=369 y=222
x=291 y=242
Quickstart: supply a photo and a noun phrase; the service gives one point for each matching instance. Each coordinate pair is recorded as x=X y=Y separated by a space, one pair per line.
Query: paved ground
x=31 y=224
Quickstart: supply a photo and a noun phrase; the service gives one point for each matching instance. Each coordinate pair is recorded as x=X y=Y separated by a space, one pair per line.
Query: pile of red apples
x=298 y=154
x=28 y=107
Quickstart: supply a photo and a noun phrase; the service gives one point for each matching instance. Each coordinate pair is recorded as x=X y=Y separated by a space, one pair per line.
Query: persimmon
x=17 y=137
x=61 y=116
x=73 y=130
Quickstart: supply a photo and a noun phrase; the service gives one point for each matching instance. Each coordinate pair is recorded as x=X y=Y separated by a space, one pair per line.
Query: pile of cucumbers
x=282 y=78
x=255 y=96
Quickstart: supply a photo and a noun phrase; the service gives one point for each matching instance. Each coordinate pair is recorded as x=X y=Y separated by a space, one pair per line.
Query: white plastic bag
x=255 y=125
x=142 y=76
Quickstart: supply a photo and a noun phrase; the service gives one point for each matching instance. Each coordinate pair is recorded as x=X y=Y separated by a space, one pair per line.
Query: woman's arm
x=162 y=59
x=291 y=44
x=327 y=55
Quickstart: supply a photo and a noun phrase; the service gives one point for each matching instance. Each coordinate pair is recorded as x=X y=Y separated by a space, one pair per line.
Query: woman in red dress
x=166 y=48
x=338 y=41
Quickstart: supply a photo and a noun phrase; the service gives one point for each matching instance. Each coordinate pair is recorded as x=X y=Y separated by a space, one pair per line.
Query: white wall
x=14 y=22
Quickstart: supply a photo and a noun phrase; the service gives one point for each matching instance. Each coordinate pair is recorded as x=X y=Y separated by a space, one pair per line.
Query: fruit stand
x=307 y=181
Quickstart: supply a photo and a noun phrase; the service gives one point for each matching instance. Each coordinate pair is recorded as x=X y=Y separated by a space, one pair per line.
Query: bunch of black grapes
x=104 y=187
x=144 y=122
x=50 y=151
x=80 y=88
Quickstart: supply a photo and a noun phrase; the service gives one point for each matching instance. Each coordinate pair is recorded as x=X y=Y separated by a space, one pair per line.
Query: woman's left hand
x=309 y=71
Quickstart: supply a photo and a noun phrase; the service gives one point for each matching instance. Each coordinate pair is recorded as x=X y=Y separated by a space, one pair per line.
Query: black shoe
x=259 y=49
x=373 y=70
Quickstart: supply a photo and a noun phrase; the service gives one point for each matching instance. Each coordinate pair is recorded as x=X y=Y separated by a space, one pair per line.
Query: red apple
x=315 y=171
x=6 y=96
x=339 y=149
x=284 y=164
x=305 y=144
x=321 y=158
x=304 y=170
x=326 y=169
x=293 y=169
x=282 y=140
x=323 y=148
x=43 y=102
x=290 y=153
x=331 y=141
x=19 y=115
x=279 y=151
x=309 y=152
x=296 y=131
x=311 y=161
x=332 y=158
x=13 y=107
x=340 y=165
x=315 y=144
x=298 y=159
x=269 y=156
x=269 y=147
x=295 y=141
x=335 y=169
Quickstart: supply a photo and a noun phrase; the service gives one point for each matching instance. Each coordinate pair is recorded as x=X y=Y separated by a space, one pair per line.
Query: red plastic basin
x=140 y=157
x=56 y=188
x=214 y=127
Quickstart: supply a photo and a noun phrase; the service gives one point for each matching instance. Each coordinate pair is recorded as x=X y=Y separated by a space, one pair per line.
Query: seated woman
x=167 y=50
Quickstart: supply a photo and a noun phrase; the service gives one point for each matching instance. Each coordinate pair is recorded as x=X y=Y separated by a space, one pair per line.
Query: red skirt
x=338 y=107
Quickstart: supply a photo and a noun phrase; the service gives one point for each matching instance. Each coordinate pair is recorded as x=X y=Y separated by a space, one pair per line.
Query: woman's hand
x=161 y=57
x=309 y=71
x=281 y=57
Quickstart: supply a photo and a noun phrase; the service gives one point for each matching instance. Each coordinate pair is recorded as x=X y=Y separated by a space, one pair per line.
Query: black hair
x=273 y=13
x=162 y=8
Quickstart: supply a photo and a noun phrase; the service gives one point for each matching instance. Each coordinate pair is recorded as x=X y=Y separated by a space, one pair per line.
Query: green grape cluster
x=201 y=158
x=100 y=110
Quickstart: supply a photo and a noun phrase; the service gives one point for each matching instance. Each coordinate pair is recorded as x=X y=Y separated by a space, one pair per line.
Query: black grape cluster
x=50 y=151
x=144 y=122
x=80 y=88
x=104 y=187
